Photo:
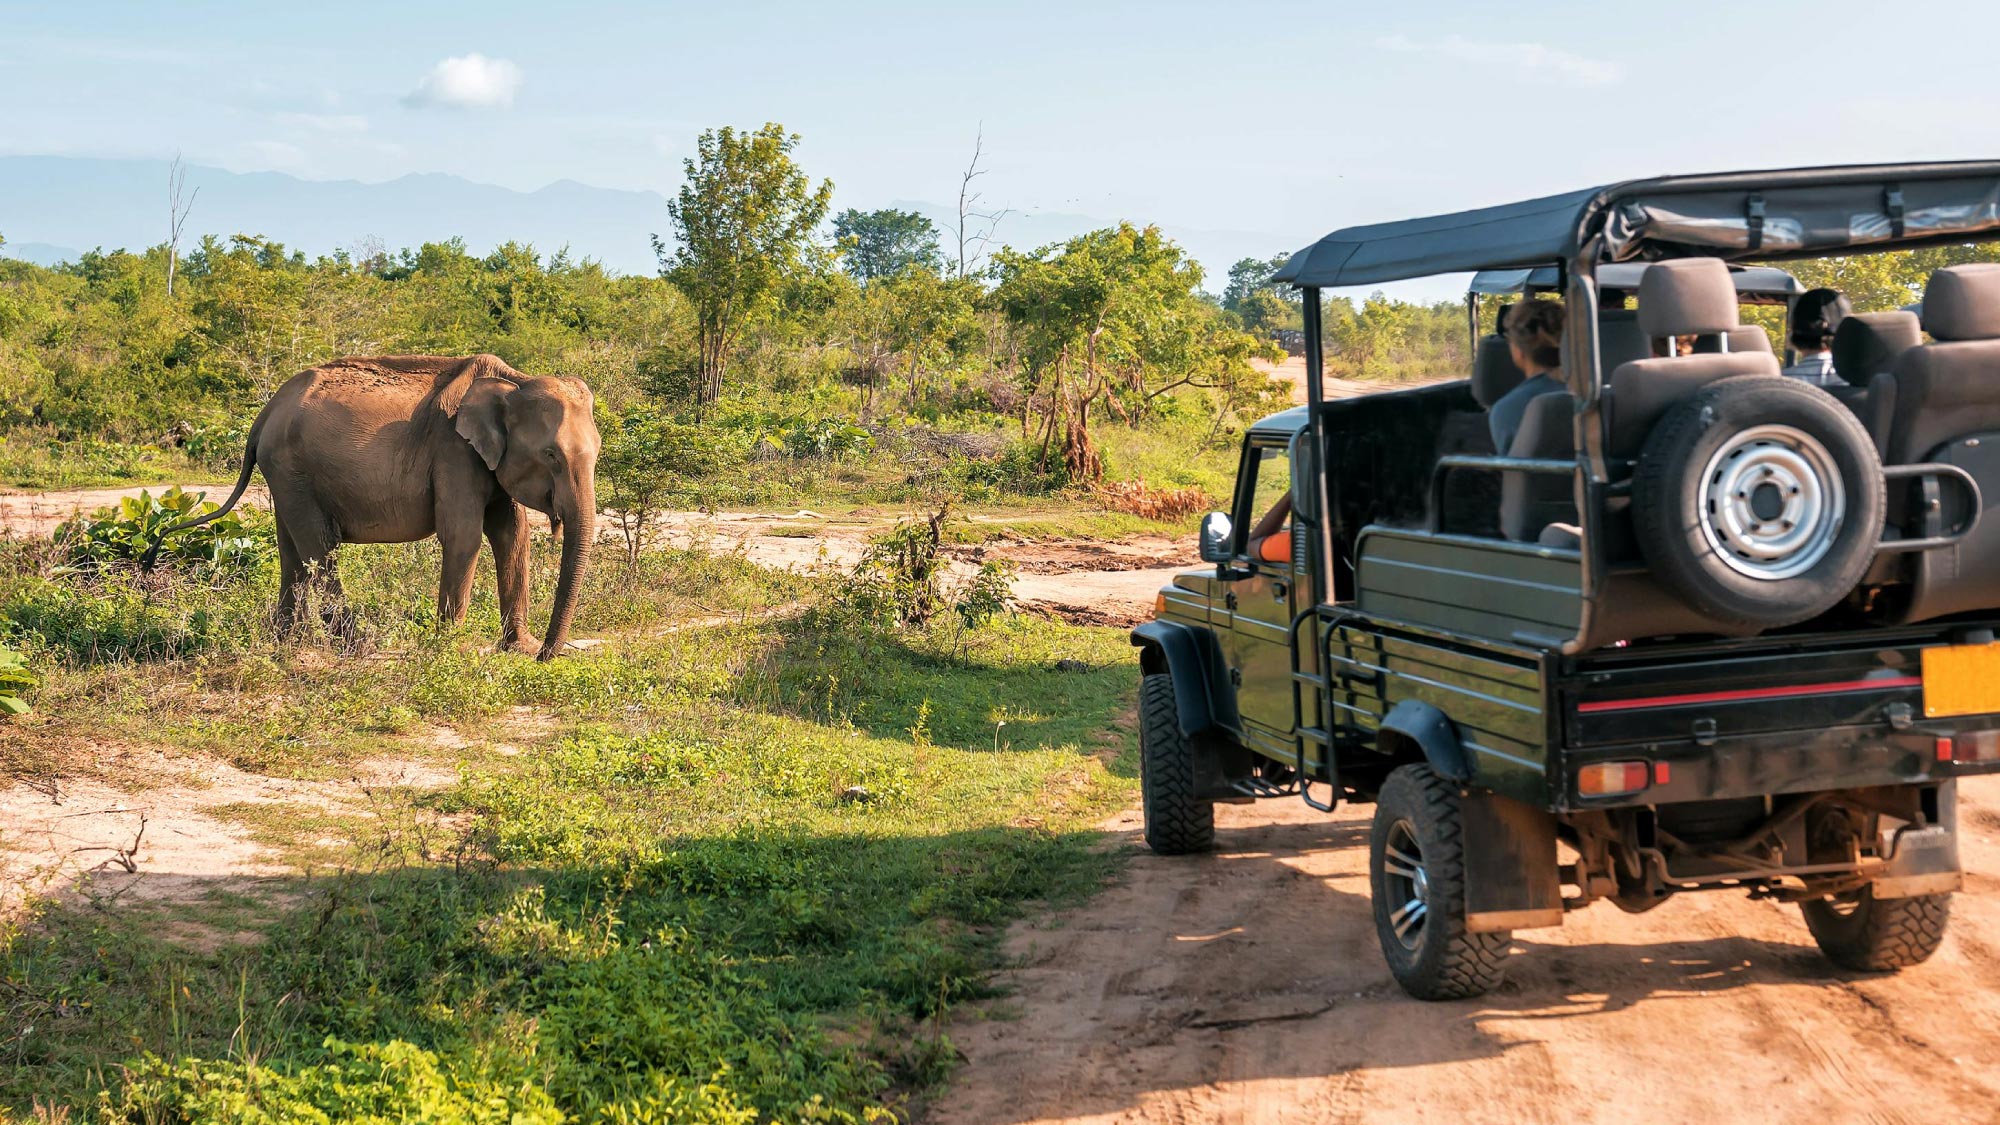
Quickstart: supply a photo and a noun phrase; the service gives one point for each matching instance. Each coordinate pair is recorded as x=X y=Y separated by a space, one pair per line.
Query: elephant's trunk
x=579 y=531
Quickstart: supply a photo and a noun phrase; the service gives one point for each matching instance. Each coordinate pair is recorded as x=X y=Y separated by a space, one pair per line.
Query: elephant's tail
x=152 y=555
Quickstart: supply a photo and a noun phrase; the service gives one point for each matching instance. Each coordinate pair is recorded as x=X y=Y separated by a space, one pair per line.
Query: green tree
x=741 y=223
x=879 y=244
x=1264 y=307
x=1113 y=318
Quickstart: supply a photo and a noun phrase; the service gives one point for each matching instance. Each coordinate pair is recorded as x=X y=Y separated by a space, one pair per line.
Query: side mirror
x=1218 y=538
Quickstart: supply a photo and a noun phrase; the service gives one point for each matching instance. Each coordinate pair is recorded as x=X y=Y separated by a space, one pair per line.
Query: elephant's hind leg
x=315 y=540
x=292 y=578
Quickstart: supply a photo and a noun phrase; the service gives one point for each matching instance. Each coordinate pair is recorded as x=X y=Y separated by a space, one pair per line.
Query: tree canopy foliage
x=741 y=224
x=879 y=244
x=1113 y=318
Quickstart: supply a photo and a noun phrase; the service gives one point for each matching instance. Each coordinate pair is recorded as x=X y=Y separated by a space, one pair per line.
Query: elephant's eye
x=550 y=455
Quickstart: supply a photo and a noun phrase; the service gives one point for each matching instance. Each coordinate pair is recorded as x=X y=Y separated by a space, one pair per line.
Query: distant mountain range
x=53 y=207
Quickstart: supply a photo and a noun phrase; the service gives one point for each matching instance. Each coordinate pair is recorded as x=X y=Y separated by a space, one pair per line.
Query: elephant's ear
x=482 y=419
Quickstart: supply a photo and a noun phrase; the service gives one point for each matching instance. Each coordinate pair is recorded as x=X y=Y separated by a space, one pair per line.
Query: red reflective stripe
x=1747 y=695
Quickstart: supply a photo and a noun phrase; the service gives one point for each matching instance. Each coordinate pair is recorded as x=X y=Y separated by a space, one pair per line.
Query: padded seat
x=1681 y=297
x=1494 y=371
x=1947 y=409
x=1742 y=338
x=1865 y=349
x=1690 y=296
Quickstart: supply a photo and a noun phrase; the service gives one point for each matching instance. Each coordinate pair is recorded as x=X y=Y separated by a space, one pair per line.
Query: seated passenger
x=1534 y=335
x=1815 y=316
x=1271 y=540
x=1675 y=345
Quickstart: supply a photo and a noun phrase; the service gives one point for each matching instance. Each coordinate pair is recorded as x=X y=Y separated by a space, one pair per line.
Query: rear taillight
x=1608 y=779
x=1972 y=746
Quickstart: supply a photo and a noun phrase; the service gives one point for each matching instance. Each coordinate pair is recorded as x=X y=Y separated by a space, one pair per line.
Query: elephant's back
x=399 y=381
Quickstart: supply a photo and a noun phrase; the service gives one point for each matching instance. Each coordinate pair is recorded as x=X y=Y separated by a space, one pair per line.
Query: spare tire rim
x=1406 y=885
x=1773 y=502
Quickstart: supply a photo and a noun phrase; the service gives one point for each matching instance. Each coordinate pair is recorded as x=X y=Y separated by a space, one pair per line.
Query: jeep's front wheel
x=1416 y=862
x=1177 y=821
x=1869 y=934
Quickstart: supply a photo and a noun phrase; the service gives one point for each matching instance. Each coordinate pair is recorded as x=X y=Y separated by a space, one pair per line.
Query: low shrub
x=124 y=533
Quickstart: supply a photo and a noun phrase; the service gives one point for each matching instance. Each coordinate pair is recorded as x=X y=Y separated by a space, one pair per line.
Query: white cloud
x=663 y=144
x=468 y=82
x=1532 y=60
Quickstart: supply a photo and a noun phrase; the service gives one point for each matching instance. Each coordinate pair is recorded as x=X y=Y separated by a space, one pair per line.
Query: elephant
x=393 y=449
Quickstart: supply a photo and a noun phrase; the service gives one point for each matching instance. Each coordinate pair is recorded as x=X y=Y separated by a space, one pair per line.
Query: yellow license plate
x=1961 y=680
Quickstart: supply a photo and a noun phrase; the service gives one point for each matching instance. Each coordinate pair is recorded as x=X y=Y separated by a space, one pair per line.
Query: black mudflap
x=1511 y=881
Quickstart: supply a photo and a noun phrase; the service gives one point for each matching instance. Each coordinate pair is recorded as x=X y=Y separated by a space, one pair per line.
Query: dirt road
x=1246 y=986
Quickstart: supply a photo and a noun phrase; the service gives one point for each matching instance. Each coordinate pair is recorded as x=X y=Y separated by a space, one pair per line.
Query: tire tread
x=1885 y=935
x=1468 y=964
x=1177 y=822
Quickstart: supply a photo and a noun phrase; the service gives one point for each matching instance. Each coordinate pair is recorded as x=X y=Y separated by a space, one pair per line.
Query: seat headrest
x=1867 y=344
x=1687 y=296
x=1494 y=371
x=1963 y=302
x=1742 y=338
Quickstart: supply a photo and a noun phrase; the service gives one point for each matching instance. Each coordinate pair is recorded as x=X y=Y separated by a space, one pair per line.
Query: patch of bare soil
x=1246 y=986
x=1080 y=580
x=158 y=837
x=30 y=514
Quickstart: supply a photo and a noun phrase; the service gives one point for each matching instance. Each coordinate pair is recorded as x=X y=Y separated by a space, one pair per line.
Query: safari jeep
x=1700 y=626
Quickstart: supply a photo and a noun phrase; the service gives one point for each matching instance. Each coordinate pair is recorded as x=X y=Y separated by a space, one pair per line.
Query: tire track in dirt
x=1711 y=1008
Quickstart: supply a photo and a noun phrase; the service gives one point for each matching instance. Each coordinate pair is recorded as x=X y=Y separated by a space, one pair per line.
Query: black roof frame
x=1634 y=219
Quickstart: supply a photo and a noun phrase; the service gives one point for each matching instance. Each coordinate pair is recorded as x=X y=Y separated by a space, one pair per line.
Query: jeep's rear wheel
x=1759 y=501
x=1177 y=822
x=1869 y=934
x=1416 y=862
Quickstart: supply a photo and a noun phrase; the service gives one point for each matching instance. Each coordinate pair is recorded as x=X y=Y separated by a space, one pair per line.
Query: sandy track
x=1247 y=987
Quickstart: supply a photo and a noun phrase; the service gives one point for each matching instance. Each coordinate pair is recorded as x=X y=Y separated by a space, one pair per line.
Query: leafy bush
x=14 y=679
x=901 y=580
x=647 y=462
x=216 y=446
x=1019 y=470
x=831 y=439
x=394 y=1083
x=126 y=532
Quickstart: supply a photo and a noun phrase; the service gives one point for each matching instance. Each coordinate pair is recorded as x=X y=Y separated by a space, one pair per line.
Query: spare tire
x=1759 y=500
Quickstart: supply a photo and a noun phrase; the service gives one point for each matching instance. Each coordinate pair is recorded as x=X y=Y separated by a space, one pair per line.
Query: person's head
x=1534 y=334
x=1683 y=345
x=1815 y=316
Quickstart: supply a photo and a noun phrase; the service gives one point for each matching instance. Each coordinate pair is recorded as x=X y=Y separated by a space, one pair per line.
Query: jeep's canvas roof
x=1792 y=213
x=1752 y=282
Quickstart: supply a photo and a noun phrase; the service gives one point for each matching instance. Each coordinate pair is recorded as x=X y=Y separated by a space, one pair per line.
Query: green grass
x=35 y=462
x=731 y=874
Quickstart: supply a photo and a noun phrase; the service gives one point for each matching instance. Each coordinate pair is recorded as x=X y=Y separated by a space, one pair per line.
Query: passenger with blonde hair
x=1534 y=334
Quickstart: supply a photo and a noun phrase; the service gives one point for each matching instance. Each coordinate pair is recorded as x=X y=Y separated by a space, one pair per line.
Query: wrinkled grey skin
x=392 y=449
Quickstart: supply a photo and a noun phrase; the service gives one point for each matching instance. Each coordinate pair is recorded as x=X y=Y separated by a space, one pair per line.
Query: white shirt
x=1816 y=369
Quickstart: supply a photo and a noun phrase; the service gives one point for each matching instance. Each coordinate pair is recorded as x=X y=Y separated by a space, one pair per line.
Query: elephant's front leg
x=507 y=530
x=458 y=535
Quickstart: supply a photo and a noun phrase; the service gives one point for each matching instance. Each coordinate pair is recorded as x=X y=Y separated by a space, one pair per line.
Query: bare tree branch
x=975 y=227
x=177 y=214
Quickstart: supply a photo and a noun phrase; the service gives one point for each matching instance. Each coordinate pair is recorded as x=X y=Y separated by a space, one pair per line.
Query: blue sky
x=1283 y=118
